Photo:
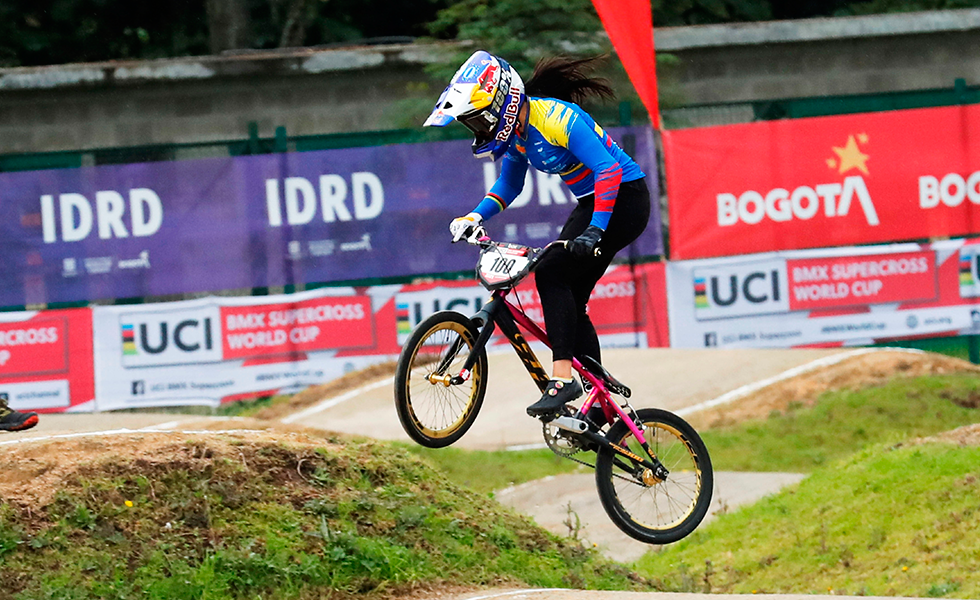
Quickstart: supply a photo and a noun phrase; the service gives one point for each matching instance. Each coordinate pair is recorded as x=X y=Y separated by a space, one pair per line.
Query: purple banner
x=164 y=228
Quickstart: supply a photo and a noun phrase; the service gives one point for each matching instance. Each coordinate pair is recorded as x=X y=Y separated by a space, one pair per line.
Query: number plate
x=501 y=264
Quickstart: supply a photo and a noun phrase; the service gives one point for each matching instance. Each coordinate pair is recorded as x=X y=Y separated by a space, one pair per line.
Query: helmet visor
x=482 y=123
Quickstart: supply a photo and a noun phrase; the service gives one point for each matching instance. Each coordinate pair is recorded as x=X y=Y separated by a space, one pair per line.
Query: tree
x=668 y=13
x=229 y=25
x=522 y=30
x=40 y=32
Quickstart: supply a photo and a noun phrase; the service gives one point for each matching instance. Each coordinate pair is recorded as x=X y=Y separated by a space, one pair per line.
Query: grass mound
x=247 y=515
x=884 y=512
x=802 y=438
x=889 y=521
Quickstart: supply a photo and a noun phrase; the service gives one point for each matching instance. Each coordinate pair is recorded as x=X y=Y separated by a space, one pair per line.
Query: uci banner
x=163 y=228
x=203 y=352
x=822 y=182
x=219 y=349
x=838 y=296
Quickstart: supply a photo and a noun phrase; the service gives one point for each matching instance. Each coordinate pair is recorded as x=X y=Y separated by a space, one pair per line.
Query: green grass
x=486 y=472
x=260 y=520
x=888 y=521
x=248 y=408
x=843 y=422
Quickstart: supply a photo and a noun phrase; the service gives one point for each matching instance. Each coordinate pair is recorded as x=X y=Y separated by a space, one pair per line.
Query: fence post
x=253 y=137
x=282 y=142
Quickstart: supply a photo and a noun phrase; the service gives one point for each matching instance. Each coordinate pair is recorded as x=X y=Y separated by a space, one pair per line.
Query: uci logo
x=188 y=336
x=741 y=290
x=179 y=337
x=412 y=307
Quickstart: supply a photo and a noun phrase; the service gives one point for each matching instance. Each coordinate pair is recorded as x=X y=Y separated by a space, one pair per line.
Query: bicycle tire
x=435 y=414
x=681 y=501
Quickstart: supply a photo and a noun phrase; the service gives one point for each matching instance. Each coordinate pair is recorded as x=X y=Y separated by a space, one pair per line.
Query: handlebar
x=480 y=237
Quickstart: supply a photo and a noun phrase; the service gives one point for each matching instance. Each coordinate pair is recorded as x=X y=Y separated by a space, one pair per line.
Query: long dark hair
x=568 y=79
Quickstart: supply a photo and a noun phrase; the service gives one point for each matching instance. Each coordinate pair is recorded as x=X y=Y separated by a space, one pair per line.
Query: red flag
x=629 y=24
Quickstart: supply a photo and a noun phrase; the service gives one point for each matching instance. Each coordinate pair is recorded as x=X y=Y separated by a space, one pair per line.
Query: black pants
x=565 y=282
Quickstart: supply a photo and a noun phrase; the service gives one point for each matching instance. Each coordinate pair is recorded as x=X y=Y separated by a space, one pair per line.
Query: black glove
x=585 y=244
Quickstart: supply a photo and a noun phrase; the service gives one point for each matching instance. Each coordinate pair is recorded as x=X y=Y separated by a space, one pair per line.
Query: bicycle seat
x=593 y=366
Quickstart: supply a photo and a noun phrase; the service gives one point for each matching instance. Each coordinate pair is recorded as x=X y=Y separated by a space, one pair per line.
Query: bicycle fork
x=494 y=314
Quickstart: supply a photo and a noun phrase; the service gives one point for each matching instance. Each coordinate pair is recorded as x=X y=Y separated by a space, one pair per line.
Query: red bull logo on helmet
x=510 y=115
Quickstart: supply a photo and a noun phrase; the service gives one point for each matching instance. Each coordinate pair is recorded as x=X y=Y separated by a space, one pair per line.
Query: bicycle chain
x=550 y=442
x=571 y=457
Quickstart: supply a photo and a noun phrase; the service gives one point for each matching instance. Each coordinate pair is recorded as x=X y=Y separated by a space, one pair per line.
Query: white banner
x=200 y=352
x=835 y=296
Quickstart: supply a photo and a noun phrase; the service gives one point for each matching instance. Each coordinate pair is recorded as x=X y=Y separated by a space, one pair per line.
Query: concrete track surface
x=659 y=377
x=551 y=500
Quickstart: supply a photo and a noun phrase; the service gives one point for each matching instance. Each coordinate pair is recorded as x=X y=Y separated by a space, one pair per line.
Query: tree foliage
x=667 y=13
x=36 y=32
x=521 y=30
x=39 y=32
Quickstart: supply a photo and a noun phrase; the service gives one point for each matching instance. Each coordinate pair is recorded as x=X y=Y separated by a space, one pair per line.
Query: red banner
x=319 y=324
x=831 y=282
x=628 y=306
x=828 y=181
x=46 y=359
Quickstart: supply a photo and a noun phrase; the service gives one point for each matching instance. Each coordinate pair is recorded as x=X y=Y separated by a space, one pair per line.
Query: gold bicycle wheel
x=647 y=509
x=434 y=410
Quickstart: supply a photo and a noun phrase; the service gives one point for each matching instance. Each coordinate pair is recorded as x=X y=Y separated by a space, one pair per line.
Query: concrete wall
x=817 y=57
x=87 y=106
x=205 y=99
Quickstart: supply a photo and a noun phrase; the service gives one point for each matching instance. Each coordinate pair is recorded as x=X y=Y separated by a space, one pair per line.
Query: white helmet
x=485 y=95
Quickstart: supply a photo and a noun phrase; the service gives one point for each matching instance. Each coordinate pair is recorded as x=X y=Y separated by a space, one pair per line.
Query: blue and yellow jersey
x=563 y=139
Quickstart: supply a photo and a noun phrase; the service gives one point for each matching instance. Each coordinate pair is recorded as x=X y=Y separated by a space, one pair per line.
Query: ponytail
x=568 y=79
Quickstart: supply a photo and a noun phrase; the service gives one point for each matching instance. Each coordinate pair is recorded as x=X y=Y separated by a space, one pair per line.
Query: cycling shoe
x=555 y=396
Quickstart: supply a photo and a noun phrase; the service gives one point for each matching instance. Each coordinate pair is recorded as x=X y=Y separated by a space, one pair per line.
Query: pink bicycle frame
x=599 y=392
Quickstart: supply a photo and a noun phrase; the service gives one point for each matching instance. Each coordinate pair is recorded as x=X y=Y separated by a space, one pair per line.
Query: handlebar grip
x=595 y=251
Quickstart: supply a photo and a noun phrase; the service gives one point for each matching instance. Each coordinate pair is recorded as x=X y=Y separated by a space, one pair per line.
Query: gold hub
x=649 y=479
x=445 y=380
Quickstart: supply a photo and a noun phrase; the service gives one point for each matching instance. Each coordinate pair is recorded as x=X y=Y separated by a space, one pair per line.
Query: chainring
x=558 y=442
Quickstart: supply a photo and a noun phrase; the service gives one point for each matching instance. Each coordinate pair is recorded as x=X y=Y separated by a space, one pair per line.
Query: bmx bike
x=652 y=470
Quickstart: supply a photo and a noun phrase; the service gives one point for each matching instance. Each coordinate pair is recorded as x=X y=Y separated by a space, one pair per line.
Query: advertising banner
x=212 y=224
x=837 y=296
x=628 y=306
x=204 y=351
x=46 y=360
x=219 y=349
x=821 y=182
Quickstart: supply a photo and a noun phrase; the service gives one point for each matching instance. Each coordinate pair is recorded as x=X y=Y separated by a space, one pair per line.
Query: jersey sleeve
x=510 y=183
x=589 y=148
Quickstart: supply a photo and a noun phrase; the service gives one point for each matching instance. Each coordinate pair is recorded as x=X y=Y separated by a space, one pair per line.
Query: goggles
x=482 y=123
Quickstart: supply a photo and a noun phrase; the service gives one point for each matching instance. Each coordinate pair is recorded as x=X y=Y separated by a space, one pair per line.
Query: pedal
x=570 y=424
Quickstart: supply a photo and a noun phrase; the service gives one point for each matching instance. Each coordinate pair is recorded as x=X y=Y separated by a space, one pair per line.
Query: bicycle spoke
x=665 y=503
x=437 y=407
